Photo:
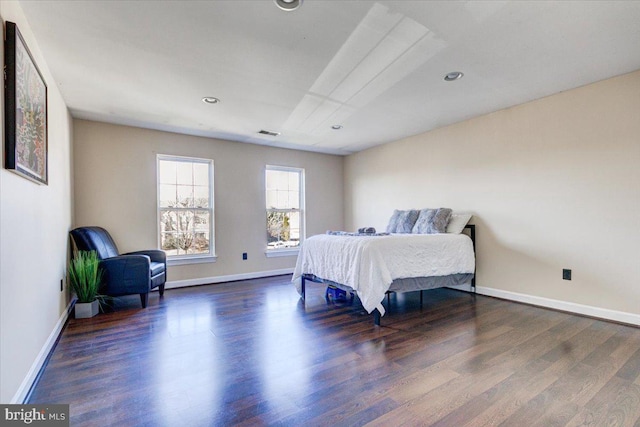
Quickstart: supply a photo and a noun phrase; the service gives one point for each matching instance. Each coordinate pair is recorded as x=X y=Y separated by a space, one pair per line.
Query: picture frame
x=26 y=121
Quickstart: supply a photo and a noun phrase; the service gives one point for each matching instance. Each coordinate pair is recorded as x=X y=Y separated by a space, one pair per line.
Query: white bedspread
x=369 y=264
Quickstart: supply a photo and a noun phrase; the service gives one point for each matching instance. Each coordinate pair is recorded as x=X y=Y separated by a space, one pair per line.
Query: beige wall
x=34 y=222
x=115 y=187
x=553 y=184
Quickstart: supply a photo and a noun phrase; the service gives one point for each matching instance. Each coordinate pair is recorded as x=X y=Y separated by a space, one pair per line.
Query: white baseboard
x=28 y=381
x=587 y=310
x=230 y=278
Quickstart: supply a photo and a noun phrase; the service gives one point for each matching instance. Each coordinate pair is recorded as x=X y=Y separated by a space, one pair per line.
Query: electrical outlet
x=244 y=255
x=566 y=274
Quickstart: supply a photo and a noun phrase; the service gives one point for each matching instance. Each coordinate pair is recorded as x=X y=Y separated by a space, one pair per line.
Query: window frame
x=282 y=252
x=187 y=258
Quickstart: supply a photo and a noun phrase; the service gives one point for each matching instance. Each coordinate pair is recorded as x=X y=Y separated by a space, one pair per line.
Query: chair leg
x=161 y=289
x=144 y=298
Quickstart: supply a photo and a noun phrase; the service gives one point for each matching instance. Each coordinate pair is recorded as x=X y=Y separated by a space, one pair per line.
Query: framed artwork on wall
x=25 y=110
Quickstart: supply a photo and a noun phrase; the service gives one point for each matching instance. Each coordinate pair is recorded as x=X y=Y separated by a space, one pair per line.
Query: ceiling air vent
x=268 y=132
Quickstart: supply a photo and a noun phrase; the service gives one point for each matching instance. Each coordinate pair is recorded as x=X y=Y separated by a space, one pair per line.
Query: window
x=285 y=208
x=185 y=207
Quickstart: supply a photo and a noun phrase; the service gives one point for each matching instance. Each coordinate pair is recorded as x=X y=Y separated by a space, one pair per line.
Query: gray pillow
x=393 y=221
x=424 y=219
x=440 y=221
x=406 y=221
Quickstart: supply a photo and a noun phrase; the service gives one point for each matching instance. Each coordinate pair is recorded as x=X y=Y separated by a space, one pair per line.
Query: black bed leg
x=302 y=285
x=376 y=317
x=421 y=298
x=472 y=234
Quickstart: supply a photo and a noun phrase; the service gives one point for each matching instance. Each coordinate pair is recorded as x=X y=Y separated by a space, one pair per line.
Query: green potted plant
x=84 y=278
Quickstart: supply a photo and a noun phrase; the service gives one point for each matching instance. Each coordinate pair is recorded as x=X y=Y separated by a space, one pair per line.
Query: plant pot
x=85 y=310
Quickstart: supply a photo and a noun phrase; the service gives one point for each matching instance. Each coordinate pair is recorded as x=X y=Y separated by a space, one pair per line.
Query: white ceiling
x=374 y=67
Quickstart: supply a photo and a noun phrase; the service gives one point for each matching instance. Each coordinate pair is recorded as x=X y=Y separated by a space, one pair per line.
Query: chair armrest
x=154 y=254
x=126 y=274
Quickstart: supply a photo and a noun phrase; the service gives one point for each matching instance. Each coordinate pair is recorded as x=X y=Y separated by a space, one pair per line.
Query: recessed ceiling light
x=454 y=75
x=288 y=5
x=336 y=127
x=210 y=100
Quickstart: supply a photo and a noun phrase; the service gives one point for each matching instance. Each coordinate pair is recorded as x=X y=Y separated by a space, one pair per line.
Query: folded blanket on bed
x=367 y=230
x=359 y=233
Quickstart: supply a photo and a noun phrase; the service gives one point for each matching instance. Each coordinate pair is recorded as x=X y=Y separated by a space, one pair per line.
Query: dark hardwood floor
x=249 y=353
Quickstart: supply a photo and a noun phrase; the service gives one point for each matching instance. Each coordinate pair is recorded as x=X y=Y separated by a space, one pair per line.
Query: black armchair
x=123 y=274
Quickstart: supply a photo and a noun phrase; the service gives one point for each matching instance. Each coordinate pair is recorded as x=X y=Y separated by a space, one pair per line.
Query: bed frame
x=376 y=313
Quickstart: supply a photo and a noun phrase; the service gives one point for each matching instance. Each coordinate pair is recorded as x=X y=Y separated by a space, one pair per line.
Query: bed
x=374 y=265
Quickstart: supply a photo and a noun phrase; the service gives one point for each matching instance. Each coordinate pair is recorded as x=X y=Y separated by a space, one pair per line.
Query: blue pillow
x=424 y=219
x=440 y=220
x=393 y=221
x=432 y=221
x=406 y=221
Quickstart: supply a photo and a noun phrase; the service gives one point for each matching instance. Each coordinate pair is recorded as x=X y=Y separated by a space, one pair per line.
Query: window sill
x=192 y=260
x=275 y=253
